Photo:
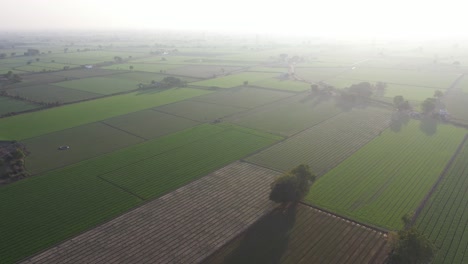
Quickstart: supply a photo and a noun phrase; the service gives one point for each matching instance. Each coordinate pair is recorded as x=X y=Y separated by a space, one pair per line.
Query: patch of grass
x=9 y=105
x=52 y=94
x=286 y=85
x=200 y=111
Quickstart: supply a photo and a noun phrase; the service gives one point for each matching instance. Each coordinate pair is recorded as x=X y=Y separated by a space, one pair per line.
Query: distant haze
x=407 y=18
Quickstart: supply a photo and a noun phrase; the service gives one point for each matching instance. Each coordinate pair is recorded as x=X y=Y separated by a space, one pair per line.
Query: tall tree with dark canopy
x=292 y=186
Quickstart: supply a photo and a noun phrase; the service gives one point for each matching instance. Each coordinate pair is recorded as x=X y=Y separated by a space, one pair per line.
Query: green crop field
x=100 y=85
x=199 y=111
x=86 y=73
x=286 y=85
x=51 y=94
x=155 y=176
x=318 y=74
x=202 y=71
x=145 y=77
x=245 y=97
x=288 y=116
x=431 y=79
x=43 y=210
x=8 y=105
x=235 y=80
x=55 y=119
x=341 y=83
x=389 y=176
x=327 y=144
x=303 y=235
x=149 y=123
x=145 y=67
x=444 y=219
x=85 y=142
x=411 y=93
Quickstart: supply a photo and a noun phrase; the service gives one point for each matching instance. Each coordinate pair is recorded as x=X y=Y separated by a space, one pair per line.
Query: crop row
x=55 y=119
x=389 y=176
x=303 y=234
x=51 y=207
x=444 y=219
x=327 y=144
x=181 y=227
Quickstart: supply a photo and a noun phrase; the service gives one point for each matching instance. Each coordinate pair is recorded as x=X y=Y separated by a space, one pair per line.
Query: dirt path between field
x=437 y=183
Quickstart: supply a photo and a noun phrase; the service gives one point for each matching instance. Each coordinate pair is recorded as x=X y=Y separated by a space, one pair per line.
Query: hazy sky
x=324 y=17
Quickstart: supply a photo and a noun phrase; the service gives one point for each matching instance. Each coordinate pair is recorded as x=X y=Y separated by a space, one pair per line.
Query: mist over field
x=233 y=132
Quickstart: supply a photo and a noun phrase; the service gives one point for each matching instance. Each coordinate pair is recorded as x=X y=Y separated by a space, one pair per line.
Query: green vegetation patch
x=43 y=210
x=145 y=77
x=445 y=216
x=315 y=74
x=55 y=119
x=412 y=93
x=85 y=142
x=100 y=85
x=290 y=115
x=287 y=85
x=169 y=170
x=327 y=144
x=9 y=105
x=202 y=71
x=199 y=111
x=86 y=73
x=389 y=176
x=150 y=123
x=235 y=80
x=246 y=97
x=51 y=94
x=456 y=103
x=434 y=79
x=145 y=67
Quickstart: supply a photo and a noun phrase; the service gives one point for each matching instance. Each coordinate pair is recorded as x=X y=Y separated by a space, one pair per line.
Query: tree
x=438 y=94
x=409 y=246
x=2 y=55
x=131 y=67
x=246 y=83
x=428 y=105
x=292 y=186
x=314 y=88
x=398 y=100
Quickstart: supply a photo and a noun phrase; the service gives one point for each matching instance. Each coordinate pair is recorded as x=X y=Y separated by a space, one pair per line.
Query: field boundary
x=442 y=176
x=344 y=218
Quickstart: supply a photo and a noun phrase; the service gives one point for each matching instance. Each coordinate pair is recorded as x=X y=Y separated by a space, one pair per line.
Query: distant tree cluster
x=166 y=83
x=12 y=163
x=12 y=77
x=401 y=104
x=292 y=186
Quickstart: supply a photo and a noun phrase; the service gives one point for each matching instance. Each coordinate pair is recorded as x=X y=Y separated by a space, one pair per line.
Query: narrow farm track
x=303 y=235
x=184 y=226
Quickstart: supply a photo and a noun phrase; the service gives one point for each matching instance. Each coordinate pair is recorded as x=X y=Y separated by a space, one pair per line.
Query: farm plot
x=235 y=80
x=202 y=71
x=40 y=211
x=100 y=85
x=149 y=123
x=431 y=79
x=288 y=116
x=326 y=145
x=55 y=119
x=9 y=105
x=245 y=97
x=86 y=73
x=51 y=94
x=145 y=67
x=199 y=111
x=303 y=235
x=314 y=74
x=389 y=176
x=159 y=174
x=444 y=219
x=145 y=77
x=85 y=142
x=183 y=226
x=412 y=93
x=287 y=85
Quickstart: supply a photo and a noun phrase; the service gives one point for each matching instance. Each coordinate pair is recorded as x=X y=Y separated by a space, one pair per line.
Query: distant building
x=88 y=66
